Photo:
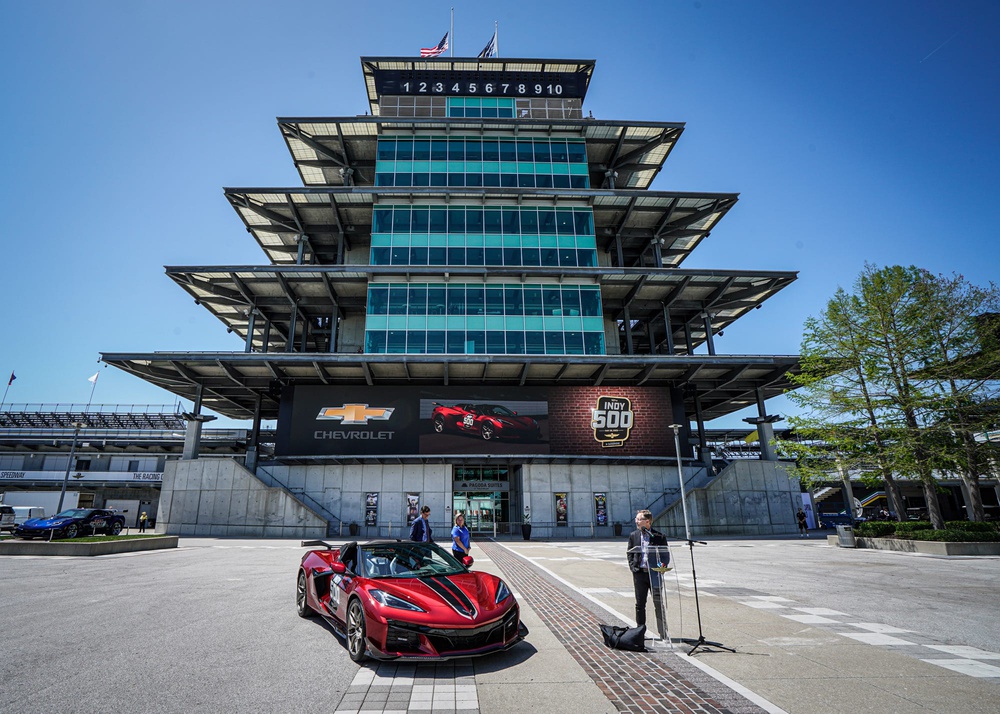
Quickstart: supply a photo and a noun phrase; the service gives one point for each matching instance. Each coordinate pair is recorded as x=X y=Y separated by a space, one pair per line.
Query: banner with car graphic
x=377 y=421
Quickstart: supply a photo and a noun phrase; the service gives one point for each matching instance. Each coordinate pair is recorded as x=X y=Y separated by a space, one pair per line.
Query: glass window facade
x=439 y=106
x=484 y=235
x=477 y=161
x=489 y=107
x=478 y=318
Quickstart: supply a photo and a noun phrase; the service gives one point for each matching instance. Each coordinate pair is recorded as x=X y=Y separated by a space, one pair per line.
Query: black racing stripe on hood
x=451 y=594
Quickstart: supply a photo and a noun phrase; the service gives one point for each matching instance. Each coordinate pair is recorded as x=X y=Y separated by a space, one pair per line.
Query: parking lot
x=211 y=626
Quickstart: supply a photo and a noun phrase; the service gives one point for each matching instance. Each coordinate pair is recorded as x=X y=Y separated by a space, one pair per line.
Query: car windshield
x=407 y=560
x=496 y=410
x=74 y=513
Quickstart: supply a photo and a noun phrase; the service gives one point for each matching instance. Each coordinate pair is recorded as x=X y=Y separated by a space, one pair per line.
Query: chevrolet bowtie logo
x=355 y=413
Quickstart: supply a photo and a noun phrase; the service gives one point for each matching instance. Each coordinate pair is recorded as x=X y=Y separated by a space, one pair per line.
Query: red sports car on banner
x=490 y=421
x=397 y=599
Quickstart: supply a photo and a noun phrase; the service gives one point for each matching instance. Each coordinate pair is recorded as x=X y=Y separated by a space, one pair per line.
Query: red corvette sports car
x=398 y=599
x=490 y=421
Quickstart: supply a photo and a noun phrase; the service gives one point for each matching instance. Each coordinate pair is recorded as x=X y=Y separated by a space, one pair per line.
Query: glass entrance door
x=481 y=509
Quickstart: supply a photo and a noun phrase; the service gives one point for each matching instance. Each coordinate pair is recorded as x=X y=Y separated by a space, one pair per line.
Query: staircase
x=672 y=496
x=825 y=493
x=334 y=525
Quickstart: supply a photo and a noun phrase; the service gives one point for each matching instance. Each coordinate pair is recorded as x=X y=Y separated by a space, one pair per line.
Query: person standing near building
x=460 y=540
x=647 y=549
x=142 y=522
x=803 y=524
x=420 y=531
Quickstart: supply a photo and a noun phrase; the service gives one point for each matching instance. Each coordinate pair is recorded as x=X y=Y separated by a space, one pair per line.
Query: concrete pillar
x=845 y=480
x=192 y=435
x=765 y=432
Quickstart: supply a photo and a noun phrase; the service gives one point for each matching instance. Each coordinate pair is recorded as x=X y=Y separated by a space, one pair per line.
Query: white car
x=7 y=516
x=23 y=513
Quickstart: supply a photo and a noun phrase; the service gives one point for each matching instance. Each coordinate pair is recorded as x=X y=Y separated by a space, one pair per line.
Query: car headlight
x=384 y=598
x=502 y=592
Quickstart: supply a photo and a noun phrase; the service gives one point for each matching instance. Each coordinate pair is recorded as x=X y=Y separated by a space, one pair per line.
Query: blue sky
x=854 y=131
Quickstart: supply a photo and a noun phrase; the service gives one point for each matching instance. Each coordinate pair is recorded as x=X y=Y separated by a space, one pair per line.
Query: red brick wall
x=570 y=416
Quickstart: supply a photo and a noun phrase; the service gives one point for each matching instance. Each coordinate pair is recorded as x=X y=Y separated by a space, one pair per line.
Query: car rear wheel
x=488 y=432
x=439 y=424
x=356 y=646
x=115 y=528
x=71 y=531
x=301 y=604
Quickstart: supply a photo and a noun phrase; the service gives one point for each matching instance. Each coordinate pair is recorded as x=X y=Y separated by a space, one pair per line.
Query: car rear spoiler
x=318 y=544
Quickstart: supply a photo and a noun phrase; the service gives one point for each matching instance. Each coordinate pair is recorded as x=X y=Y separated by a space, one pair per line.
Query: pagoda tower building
x=476 y=302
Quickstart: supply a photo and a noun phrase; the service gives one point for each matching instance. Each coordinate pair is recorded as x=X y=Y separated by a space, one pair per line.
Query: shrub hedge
x=905 y=528
x=875 y=529
x=956 y=536
x=972 y=526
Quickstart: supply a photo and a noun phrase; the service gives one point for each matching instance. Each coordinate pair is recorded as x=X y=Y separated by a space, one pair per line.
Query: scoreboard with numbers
x=457 y=83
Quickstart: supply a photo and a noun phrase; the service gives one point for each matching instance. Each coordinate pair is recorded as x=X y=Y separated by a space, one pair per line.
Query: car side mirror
x=467 y=561
x=338 y=568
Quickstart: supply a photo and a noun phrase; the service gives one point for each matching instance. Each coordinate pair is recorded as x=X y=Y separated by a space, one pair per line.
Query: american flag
x=491 y=48
x=441 y=48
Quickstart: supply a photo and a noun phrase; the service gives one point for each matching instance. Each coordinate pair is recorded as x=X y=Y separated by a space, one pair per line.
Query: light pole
x=680 y=479
x=77 y=425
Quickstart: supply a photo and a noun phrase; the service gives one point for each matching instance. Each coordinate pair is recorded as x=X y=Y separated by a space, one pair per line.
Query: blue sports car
x=71 y=523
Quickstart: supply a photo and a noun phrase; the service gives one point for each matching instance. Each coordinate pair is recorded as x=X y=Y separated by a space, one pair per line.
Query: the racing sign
x=612 y=420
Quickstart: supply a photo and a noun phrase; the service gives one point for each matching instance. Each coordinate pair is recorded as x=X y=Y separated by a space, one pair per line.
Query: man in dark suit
x=420 y=531
x=647 y=549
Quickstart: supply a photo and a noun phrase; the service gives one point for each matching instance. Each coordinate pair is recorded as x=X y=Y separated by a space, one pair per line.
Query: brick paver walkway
x=632 y=681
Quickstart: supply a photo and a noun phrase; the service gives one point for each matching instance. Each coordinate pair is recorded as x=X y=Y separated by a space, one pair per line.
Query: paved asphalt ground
x=211 y=627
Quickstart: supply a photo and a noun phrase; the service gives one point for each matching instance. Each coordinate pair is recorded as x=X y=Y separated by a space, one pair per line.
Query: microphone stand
x=700 y=641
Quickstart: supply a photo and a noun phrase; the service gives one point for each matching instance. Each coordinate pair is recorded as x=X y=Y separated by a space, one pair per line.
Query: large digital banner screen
x=374 y=421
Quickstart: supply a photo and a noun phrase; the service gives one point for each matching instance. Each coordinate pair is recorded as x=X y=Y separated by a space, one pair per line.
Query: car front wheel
x=439 y=424
x=71 y=531
x=488 y=432
x=115 y=528
x=301 y=604
x=356 y=646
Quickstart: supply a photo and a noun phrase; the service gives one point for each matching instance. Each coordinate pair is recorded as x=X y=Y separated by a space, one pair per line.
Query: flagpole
x=96 y=376
x=9 y=381
x=496 y=34
x=451 y=33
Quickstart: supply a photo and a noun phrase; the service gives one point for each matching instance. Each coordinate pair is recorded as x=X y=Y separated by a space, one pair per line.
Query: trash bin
x=845 y=537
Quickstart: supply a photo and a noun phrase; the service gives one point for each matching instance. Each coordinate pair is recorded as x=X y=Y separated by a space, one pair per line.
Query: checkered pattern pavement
x=390 y=688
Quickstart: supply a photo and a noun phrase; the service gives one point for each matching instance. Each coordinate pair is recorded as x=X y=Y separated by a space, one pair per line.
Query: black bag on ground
x=624 y=638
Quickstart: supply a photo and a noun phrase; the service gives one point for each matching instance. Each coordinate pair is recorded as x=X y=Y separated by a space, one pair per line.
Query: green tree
x=963 y=371
x=880 y=387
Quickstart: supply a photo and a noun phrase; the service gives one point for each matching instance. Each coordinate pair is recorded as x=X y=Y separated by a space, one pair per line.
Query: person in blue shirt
x=460 y=538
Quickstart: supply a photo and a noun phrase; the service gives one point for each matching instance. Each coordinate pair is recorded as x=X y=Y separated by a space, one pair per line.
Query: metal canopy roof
x=323 y=147
x=231 y=383
x=318 y=292
x=331 y=220
x=370 y=65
